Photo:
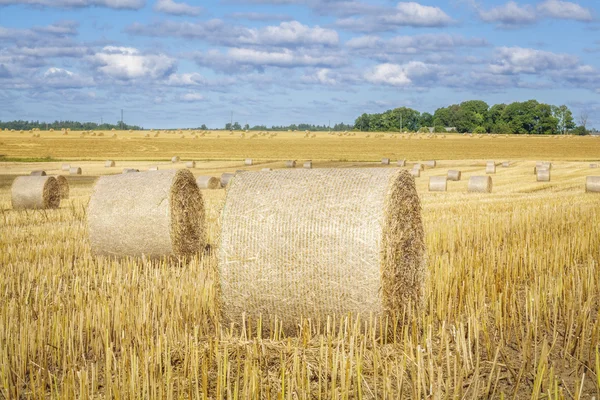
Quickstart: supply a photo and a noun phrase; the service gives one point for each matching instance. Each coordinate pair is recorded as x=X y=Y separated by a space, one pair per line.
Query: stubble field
x=512 y=303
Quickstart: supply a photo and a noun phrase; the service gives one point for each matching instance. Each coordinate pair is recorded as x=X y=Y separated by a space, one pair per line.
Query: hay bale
x=109 y=164
x=401 y=163
x=307 y=165
x=344 y=241
x=152 y=214
x=65 y=167
x=454 y=175
x=38 y=173
x=543 y=175
x=593 y=165
x=438 y=184
x=63 y=186
x=266 y=169
x=208 y=182
x=290 y=164
x=225 y=178
x=543 y=165
x=480 y=184
x=430 y=164
x=35 y=192
x=385 y=161
x=592 y=184
x=248 y=161
x=175 y=159
x=75 y=171
x=419 y=166
x=416 y=173
x=505 y=164
x=490 y=167
x=130 y=170
x=190 y=164
x=153 y=168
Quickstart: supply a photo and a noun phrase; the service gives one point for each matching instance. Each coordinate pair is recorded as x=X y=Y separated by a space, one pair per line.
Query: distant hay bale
x=248 y=161
x=415 y=172
x=593 y=165
x=225 y=178
x=290 y=164
x=385 y=161
x=543 y=165
x=490 y=167
x=153 y=168
x=543 y=175
x=296 y=263
x=592 y=184
x=454 y=175
x=35 y=192
x=190 y=164
x=63 y=186
x=175 y=159
x=401 y=163
x=438 y=184
x=266 y=169
x=307 y=165
x=65 y=167
x=109 y=164
x=208 y=182
x=75 y=171
x=129 y=170
x=480 y=184
x=505 y=164
x=430 y=164
x=151 y=214
x=38 y=173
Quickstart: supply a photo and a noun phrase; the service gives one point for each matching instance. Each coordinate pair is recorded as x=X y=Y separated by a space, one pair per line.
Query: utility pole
x=101 y=121
x=121 y=118
x=231 y=122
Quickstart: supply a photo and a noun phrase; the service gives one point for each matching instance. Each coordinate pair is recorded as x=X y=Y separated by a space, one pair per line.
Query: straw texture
x=343 y=241
x=490 y=167
x=75 y=171
x=155 y=214
x=385 y=161
x=438 y=184
x=308 y=164
x=35 y=192
x=290 y=164
x=248 y=161
x=454 y=175
x=65 y=167
x=38 y=173
x=109 y=164
x=480 y=184
x=208 y=182
x=190 y=164
x=592 y=184
x=543 y=175
x=225 y=178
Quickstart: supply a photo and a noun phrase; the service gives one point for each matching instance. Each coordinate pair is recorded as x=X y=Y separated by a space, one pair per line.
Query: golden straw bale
x=480 y=184
x=109 y=164
x=438 y=184
x=543 y=175
x=454 y=175
x=225 y=178
x=35 y=192
x=385 y=161
x=505 y=164
x=63 y=186
x=266 y=169
x=208 y=182
x=290 y=164
x=415 y=172
x=75 y=171
x=430 y=164
x=190 y=164
x=401 y=163
x=307 y=164
x=248 y=161
x=490 y=167
x=592 y=184
x=65 y=167
x=38 y=173
x=419 y=166
x=175 y=159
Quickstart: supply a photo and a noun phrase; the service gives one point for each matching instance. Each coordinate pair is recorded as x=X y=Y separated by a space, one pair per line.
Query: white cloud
x=323 y=76
x=414 y=14
x=117 y=4
x=402 y=74
x=281 y=58
x=510 y=14
x=516 y=60
x=564 y=10
x=64 y=79
x=176 y=8
x=192 y=97
x=292 y=32
x=128 y=63
x=417 y=44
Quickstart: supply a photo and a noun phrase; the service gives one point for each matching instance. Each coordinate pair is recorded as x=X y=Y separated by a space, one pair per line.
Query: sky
x=177 y=64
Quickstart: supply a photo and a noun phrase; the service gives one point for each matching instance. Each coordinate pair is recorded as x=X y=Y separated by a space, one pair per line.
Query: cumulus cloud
x=191 y=97
x=116 y=4
x=127 y=63
x=510 y=14
x=517 y=60
x=256 y=16
x=408 y=74
x=564 y=10
x=64 y=79
x=176 y=8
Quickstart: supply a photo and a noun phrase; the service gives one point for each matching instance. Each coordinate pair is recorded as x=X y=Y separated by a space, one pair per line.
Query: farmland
x=512 y=305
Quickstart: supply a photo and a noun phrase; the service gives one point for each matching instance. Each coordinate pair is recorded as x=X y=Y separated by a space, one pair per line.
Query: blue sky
x=171 y=63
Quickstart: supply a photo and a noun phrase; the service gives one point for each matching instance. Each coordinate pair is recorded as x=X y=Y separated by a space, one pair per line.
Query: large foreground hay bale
x=75 y=171
x=225 y=178
x=480 y=184
x=63 y=186
x=248 y=161
x=208 y=182
x=343 y=241
x=65 y=167
x=454 y=175
x=543 y=175
x=38 y=173
x=109 y=164
x=490 y=167
x=155 y=214
x=35 y=192
x=592 y=184
x=438 y=184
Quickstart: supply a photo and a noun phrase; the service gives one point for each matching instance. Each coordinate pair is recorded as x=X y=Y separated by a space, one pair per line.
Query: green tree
x=426 y=119
x=237 y=126
x=564 y=118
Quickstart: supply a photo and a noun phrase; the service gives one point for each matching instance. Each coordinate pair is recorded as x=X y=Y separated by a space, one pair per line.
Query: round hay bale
x=592 y=184
x=190 y=164
x=153 y=168
x=419 y=166
x=65 y=167
x=593 y=165
x=430 y=164
x=401 y=163
x=490 y=167
x=35 y=192
x=152 y=214
x=208 y=182
x=480 y=184
x=63 y=186
x=454 y=175
x=109 y=164
x=543 y=165
x=344 y=241
x=438 y=184
x=248 y=161
x=543 y=175
x=175 y=159
x=415 y=172
x=307 y=165
x=385 y=161
x=290 y=164
x=75 y=171
x=266 y=169
x=505 y=164
x=129 y=170
x=225 y=178
x=38 y=173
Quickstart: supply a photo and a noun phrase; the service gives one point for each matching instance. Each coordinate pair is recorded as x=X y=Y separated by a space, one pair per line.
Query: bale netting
x=592 y=184
x=344 y=241
x=490 y=167
x=543 y=175
x=225 y=178
x=63 y=186
x=109 y=164
x=438 y=184
x=430 y=164
x=385 y=161
x=153 y=214
x=175 y=159
x=35 y=192
x=248 y=161
x=208 y=182
x=190 y=164
x=75 y=171
x=480 y=184
x=290 y=164
x=38 y=173
x=454 y=175
x=308 y=164
x=65 y=167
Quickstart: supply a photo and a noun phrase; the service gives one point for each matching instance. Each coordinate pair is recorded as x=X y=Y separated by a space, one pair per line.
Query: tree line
x=475 y=116
x=293 y=127
x=58 y=125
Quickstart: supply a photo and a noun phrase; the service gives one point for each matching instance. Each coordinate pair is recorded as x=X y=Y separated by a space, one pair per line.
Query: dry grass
x=511 y=305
